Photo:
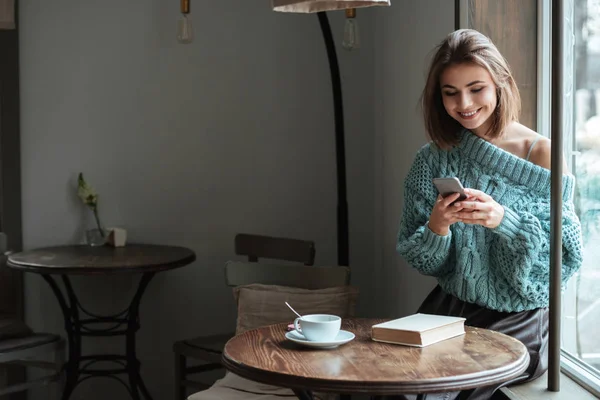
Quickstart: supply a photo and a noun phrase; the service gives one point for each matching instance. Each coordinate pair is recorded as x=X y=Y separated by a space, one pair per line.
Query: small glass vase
x=95 y=237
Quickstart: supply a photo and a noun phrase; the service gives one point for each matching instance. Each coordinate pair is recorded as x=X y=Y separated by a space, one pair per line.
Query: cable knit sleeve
x=522 y=252
x=417 y=244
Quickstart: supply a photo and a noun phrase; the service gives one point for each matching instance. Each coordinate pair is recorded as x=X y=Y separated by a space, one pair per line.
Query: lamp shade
x=313 y=6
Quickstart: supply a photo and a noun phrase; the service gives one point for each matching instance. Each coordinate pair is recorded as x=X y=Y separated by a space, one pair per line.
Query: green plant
x=88 y=195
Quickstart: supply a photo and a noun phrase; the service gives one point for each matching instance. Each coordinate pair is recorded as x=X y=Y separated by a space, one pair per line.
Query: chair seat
x=27 y=342
x=206 y=352
x=11 y=327
x=234 y=387
x=214 y=343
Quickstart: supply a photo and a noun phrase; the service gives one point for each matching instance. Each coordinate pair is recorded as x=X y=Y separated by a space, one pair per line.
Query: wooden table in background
x=63 y=261
x=479 y=358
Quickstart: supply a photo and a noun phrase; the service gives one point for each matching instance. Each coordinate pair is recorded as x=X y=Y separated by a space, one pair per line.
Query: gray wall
x=405 y=37
x=188 y=145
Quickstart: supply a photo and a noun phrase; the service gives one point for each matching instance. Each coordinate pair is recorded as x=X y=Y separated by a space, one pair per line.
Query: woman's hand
x=480 y=209
x=444 y=214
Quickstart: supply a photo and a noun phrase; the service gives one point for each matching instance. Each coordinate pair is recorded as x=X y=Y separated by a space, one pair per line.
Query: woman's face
x=469 y=96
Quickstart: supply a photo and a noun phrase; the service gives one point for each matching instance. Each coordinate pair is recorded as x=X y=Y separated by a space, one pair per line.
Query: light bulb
x=351 y=37
x=185 y=31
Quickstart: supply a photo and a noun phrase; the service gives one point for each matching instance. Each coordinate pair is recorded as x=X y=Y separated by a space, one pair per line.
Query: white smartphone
x=448 y=186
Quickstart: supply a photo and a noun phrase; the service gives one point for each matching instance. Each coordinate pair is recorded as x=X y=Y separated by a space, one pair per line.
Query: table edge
x=73 y=270
x=449 y=384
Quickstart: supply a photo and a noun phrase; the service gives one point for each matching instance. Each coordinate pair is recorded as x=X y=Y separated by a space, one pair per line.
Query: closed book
x=418 y=329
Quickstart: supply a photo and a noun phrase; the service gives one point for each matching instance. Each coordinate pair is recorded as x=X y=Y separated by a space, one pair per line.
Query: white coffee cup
x=318 y=327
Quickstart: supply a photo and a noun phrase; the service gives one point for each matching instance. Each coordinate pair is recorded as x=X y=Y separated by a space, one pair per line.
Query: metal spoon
x=295 y=312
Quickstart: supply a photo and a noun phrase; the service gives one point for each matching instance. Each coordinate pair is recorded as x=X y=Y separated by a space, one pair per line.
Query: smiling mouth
x=470 y=114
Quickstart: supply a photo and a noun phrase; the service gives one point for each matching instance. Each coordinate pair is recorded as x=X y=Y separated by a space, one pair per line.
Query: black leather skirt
x=530 y=327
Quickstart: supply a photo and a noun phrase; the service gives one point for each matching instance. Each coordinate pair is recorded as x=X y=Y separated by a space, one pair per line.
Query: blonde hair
x=468 y=46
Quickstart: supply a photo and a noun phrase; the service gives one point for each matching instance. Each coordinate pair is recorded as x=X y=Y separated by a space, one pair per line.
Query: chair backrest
x=261 y=291
x=9 y=284
x=259 y=246
x=3 y=244
x=300 y=276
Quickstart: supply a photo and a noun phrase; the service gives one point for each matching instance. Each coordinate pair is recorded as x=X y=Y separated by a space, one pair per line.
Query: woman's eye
x=449 y=93
x=477 y=90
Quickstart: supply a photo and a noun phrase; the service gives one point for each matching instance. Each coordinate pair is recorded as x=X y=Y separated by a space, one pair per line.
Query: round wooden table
x=479 y=358
x=79 y=322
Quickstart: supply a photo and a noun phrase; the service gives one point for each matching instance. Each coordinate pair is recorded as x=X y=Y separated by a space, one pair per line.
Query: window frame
x=580 y=372
x=576 y=369
x=583 y=374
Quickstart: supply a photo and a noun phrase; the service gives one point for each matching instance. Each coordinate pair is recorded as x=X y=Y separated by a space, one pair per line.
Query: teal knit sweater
x=505 y=268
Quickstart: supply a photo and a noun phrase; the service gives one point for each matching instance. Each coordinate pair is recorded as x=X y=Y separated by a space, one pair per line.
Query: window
x=581 y=300
x=521 y=30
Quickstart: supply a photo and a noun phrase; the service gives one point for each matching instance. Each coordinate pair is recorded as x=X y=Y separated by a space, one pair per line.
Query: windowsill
x=538 y=390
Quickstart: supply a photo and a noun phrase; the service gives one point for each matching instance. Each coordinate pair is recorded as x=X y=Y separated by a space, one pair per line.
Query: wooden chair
x=208 y=349
x=18 y=345
x=329 y=292
x=256 y=247
x=22 y=351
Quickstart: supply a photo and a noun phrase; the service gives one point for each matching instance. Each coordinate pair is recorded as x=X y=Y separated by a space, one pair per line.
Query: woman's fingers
x=471 y=205
x=481 y=222
x=447 y=201
x=478 y=194
x=472 y=216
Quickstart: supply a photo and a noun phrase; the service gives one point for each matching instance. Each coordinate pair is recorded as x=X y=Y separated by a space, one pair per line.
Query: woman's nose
x=465 y=101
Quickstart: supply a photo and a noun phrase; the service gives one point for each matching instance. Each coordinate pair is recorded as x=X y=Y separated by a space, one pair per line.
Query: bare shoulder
x=528 y=144
x=523 y=133
x=541 y=152
x=519 y=139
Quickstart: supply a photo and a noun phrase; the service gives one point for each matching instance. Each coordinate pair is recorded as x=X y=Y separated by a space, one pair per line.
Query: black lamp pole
x=340 y=147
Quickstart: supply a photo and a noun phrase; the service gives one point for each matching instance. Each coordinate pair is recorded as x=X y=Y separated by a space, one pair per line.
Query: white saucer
x=341 y=338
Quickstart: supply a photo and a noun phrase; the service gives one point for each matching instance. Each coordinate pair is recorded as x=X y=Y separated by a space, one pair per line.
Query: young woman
x=489 y=252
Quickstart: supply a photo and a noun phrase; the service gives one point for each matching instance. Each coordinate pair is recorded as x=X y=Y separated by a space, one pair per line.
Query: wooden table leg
x=69 y=308
x=80 y=323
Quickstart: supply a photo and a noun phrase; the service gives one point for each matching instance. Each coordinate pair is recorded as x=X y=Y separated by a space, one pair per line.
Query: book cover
x=418 y=329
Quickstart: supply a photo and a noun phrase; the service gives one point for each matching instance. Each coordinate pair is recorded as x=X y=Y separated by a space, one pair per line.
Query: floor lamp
x=320 y=7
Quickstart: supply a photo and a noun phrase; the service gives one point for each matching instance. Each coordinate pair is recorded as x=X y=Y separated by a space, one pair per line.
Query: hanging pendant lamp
x=313 y=6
